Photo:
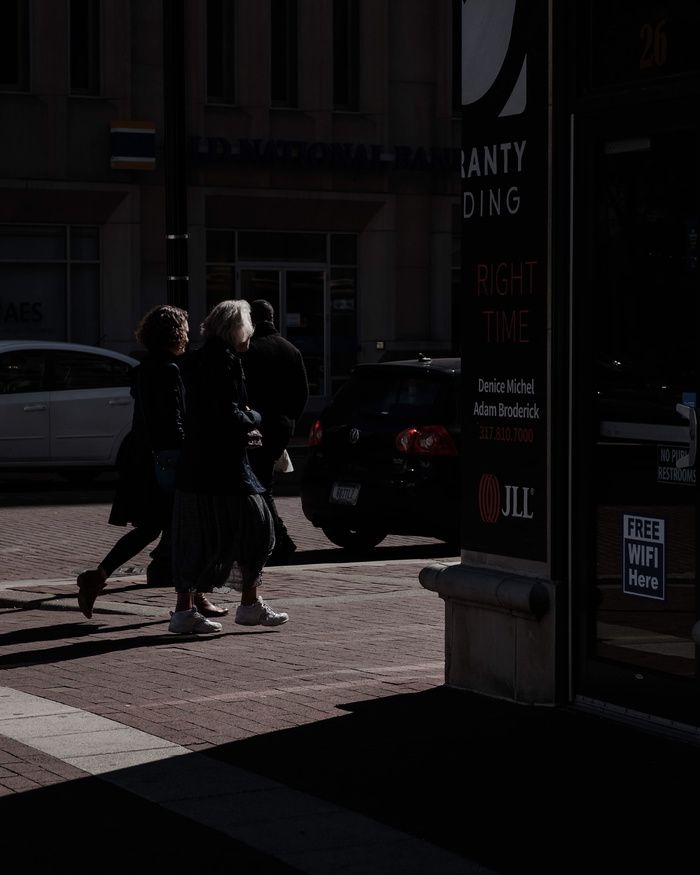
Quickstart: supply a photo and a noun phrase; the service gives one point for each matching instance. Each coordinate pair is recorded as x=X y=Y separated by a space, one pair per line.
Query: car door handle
x=119 y=402
x=31 y=408
x=691 y=414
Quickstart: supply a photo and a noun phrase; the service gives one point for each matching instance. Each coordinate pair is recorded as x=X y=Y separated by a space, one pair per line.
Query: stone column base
x=499 y=631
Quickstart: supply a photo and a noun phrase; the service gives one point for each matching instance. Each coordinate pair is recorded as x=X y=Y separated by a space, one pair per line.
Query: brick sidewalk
x=57 y=534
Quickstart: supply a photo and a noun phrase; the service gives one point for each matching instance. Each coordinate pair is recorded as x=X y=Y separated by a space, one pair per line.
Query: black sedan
x=384 y=456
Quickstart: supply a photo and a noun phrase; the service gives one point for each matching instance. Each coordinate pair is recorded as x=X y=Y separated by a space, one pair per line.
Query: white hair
x=229 y=321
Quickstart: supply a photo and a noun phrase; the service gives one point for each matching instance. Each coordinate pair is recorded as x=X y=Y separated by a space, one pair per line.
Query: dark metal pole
x=177 y=273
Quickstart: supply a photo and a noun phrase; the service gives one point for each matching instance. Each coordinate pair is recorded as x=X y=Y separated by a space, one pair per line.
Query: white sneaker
x=191 y=622
x=259 y=614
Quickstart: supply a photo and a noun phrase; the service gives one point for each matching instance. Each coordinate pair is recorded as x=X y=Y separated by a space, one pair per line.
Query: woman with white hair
x=222 y=528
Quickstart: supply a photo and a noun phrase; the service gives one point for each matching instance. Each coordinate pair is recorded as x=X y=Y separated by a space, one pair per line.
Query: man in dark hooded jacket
x=278 y=389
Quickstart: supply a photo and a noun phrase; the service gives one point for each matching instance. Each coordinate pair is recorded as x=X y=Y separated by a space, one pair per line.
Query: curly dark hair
x=163 y=327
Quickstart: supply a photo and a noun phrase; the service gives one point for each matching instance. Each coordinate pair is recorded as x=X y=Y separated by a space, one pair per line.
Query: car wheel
x=353 y=539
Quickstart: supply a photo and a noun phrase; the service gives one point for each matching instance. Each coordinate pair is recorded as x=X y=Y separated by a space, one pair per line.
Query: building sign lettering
x=20 y=311
x=323 y=155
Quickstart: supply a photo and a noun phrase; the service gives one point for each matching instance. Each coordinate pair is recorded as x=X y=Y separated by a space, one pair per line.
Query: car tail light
x=316 y=434
x=428 y=440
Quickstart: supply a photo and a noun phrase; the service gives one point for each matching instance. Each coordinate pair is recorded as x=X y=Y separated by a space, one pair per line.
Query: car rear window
x=396 y=395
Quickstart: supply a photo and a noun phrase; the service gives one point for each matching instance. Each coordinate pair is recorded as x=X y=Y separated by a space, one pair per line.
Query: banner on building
x=505 y=269
x=133 y=145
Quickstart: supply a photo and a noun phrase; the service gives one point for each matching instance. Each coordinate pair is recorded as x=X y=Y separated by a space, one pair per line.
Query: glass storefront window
x=44 y=293
x=311 y=281
x=637 y=206
x=305 y=323
x=85 y=304
x=281 y=246
x=627 y=42
x=343 y=248
x=221 y=284
x=221 y=247
x=343 y=325
x=265 y=284
x=33 y=302
x=32 y=243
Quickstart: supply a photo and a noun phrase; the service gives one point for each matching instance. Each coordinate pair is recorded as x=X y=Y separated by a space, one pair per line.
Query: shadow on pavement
x=89 y=826
x=378 y=554
x=514 y=787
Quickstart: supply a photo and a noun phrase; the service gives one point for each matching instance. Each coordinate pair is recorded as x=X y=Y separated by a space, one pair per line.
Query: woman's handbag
x=165 y=466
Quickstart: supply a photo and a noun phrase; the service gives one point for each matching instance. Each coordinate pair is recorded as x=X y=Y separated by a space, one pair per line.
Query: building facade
x=319 y=155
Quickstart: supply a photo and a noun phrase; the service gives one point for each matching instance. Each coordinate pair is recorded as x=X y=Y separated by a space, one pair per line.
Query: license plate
x=345 y=493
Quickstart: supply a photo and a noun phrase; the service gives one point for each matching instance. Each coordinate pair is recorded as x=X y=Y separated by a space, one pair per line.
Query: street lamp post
x=176 y=237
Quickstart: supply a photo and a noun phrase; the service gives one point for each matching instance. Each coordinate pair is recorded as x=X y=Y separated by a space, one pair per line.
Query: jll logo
x=513 y=507
x=514 y=502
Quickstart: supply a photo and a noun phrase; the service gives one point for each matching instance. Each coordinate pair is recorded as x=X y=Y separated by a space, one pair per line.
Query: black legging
x=133 y=542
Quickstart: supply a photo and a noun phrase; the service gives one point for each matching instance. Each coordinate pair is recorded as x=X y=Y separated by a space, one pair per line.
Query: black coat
x=214 y=460
x=157 y=425
x=277 y=384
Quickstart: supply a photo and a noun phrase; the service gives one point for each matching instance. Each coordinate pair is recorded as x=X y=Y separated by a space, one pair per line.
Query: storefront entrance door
x=300 y=301
x=636 y=309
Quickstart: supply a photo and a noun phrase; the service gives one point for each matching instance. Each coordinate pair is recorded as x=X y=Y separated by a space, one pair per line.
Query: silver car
x=62 y=405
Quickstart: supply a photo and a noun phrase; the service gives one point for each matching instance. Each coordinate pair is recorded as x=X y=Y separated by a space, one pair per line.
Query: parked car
x=384 y=456
x=63 y=405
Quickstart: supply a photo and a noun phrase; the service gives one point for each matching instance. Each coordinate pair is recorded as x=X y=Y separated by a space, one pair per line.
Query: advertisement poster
x=505 y=269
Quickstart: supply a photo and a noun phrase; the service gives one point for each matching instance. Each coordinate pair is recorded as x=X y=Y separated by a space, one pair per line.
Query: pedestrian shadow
x=57 y=632
x=79 y=641
x=83 y=641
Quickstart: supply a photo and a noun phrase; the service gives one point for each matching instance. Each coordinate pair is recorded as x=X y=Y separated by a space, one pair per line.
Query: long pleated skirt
x=220 y=542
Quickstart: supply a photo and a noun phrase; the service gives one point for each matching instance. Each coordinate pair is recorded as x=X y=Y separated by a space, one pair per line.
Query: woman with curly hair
x=222 y=528
x=157 y=426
